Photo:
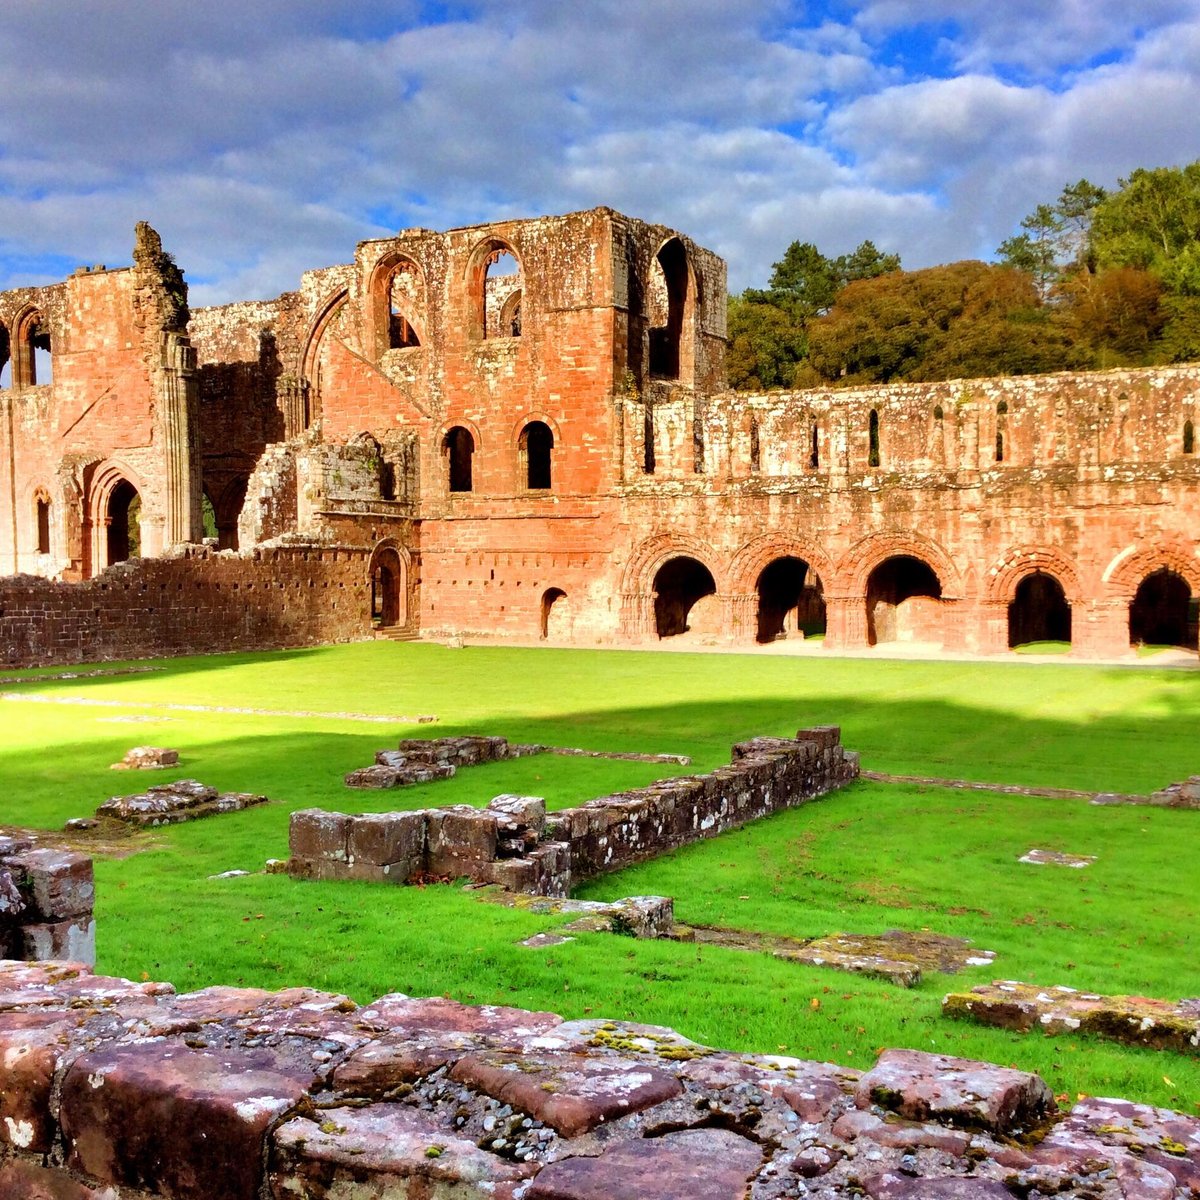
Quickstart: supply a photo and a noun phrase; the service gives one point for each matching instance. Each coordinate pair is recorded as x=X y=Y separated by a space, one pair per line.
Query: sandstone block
x=955 y=1091
x=186 y=1124
x=147 y=758
x=385 y=1151
x=710 y=1164
x=517 y=813
x=25 y=1181
x=394 y=839
x=74 y=939
x=315 y=834
x=570 y=1093
x=30 y=1046
x=460 y=837
x=56 y=884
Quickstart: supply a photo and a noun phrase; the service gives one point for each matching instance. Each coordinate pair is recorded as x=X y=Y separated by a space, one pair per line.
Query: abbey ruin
x=522 y=429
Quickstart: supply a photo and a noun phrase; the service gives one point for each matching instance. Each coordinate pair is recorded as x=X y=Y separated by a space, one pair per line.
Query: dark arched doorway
x=536 y=446
x=555 y=615
x=458 y=447
x=1039 y=611
x=1162 y=612
x=678 y=585
x=388 y=607
x=898 y=594
x=124 y=515
x=790 y=600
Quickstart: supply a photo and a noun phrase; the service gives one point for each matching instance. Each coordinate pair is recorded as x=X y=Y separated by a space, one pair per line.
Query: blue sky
x=264 y=137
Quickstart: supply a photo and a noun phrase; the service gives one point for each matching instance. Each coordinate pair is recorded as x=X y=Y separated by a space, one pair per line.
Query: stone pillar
x=179 y=405
x=293 y=394
x=991 y=626
x=637 y=616
x=741 y=616
x=845 y=622
x=1100 y=629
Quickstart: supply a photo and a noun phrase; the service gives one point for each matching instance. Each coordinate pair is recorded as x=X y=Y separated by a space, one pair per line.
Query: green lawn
x=870 y=858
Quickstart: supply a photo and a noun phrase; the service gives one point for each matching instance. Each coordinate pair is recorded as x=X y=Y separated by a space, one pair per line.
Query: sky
x=266 y=137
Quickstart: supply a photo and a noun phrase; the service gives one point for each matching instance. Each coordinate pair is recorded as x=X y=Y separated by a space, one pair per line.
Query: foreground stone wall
x=515 y=843
x=46 y=902
x=112 y=1090
x=197 y=602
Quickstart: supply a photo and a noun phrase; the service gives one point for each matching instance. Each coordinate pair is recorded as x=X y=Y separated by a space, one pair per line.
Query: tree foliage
x=1093 y=279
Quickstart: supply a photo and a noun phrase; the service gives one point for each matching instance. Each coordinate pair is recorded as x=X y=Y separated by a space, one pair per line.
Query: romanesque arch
x=650 y=554
x=1158 y=584
x=113 y=508
x=672 y=298
x=388 y=571
x=785 y=577
x=1004 y=576
x=31 y=349
x=680 y=584
x=856 y=565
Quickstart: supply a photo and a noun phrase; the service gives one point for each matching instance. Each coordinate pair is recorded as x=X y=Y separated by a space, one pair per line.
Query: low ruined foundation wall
x=197 y=602
x=515 y=843
x=114 y=1090
x=46 y=901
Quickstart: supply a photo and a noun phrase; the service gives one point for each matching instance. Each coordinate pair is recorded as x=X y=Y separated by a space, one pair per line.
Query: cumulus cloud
x=266 y=138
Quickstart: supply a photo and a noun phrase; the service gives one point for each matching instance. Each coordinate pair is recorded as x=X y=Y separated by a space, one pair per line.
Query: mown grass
x=869 y=858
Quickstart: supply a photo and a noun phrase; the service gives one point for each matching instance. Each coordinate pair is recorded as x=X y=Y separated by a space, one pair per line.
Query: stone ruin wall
x=197 y=602
x=114 y=1090
x=517 y=844
x=47 y=896
x=293 y=396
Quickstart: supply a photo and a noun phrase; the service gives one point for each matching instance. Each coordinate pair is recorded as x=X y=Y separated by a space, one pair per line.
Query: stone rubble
x=115 y=1090
x=514 y=842
x=174 y=803
x=1136 y=1020
x=147 y=758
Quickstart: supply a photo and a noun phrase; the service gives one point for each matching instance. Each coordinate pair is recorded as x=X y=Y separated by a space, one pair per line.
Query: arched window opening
x=1189 y=438
x=501 y=294
x=668 y=306
x=388 y=601
x=459 y=448
x=537 y=442
x=680 y=587
x=39 y=363
x=999 y=445
x=873 y=439
x=1001 y=411
x=403 y=288
x=938 y=415
x=5 y=359
x=791 y=601
x=555 y=624
x=1039 y=611
x=208 y=516
x=42 y=518
x=1162 y=612
x=902 y=601
x=755 y=446
x=124 y=516
x=649 y=460
x=814 y=449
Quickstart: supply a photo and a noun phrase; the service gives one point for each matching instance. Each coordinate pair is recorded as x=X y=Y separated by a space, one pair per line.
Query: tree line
x=1095 y=279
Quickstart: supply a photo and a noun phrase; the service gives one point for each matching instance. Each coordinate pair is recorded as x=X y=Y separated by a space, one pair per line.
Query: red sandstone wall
x=197 y=603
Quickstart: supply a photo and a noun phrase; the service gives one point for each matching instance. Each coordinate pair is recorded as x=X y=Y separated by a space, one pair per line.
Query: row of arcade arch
x=903 y=597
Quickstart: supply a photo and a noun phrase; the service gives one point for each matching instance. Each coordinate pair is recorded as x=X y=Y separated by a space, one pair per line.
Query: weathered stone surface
x=188 y=1124
x=395 y=840
x=147 y=758
x=571 y=1093
x=57 y=883
x=235 y=1093
x=1137 y=1020
x=709 y=1165
x=74 y=939
x=391 y=1150
x=174 y=803
x=956 y=1091
x=31 y=1044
